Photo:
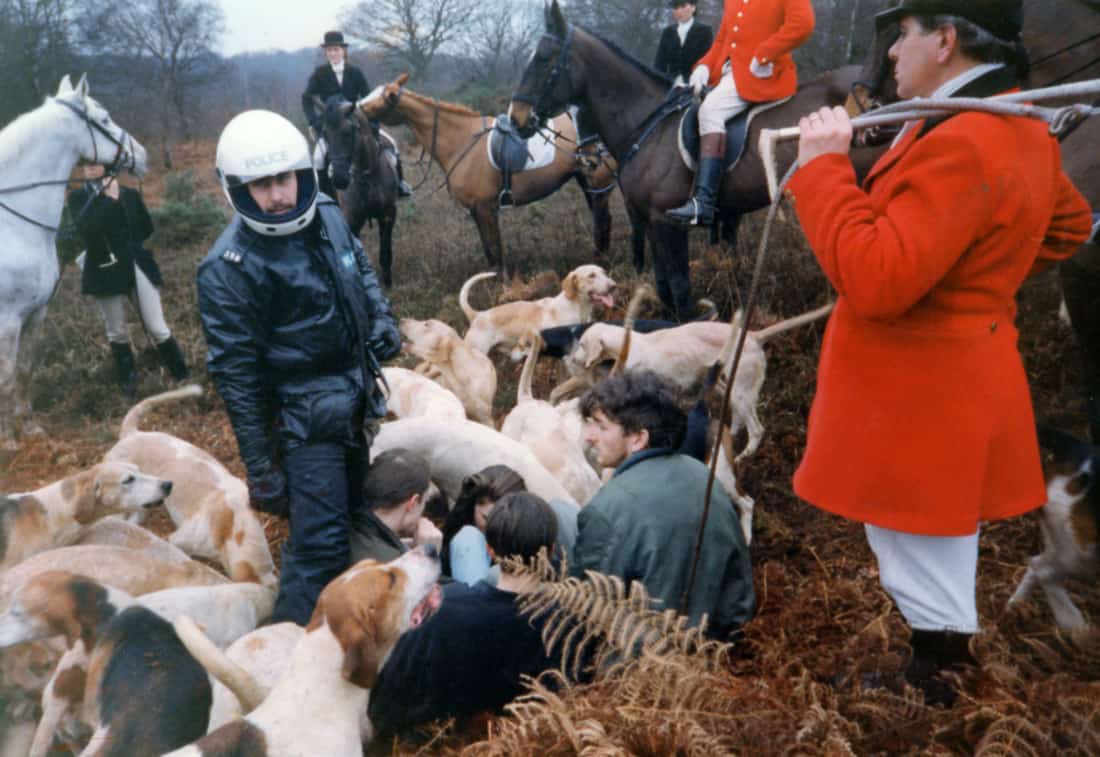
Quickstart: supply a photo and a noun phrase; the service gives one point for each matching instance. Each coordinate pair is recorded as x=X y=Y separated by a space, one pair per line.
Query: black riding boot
x=124 y=368
x=936 y=652
x=171 y=356
x=403 y=188
x=701 y=208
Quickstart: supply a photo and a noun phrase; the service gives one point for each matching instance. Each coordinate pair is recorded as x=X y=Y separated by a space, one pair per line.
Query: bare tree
x=167 y=50
x=499 y=40
x=411 y=31
x=35 y=51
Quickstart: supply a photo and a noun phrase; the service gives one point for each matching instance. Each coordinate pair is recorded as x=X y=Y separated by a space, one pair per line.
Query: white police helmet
x=256 y=144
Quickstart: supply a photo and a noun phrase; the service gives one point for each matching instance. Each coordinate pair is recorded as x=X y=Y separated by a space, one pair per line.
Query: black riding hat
x=677 y=3
x=1001 y=18
x=332 y=39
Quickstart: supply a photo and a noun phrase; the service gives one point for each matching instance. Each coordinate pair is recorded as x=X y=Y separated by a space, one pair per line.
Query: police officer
x=295 y=326
x=338 y=77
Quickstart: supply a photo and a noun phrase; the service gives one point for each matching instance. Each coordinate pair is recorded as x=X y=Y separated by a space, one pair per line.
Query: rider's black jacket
x=295 y=328
x=323 y=84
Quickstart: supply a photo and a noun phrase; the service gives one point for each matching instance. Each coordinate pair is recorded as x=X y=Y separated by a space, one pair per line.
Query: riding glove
x=761 y=70
x=699 y=78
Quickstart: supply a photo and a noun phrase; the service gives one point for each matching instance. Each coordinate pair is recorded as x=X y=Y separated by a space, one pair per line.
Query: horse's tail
x=763 y=335
x=464 y=294
x=640 y=294
x=523 y=390
x=132 y=422
x=235 y=678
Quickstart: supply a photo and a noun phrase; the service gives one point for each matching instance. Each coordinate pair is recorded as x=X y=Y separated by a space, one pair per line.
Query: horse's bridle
x=112 y=170
x=560 y=66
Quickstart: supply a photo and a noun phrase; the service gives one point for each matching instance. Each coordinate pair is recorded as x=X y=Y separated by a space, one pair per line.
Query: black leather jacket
x=295 y=328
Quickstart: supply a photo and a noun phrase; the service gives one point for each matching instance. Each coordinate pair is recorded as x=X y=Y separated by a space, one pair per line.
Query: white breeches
x=148 y=302
x=721 y=104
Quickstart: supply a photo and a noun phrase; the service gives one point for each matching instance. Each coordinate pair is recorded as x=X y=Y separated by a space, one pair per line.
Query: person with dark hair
x=114 y=223
x=643 y=524
x=682 y=43
x=463 y=551
x=922 y=426
x=395 y=492
x=470 y=656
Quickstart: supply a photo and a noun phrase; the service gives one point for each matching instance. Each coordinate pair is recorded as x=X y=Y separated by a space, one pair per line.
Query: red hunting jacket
x=922 y=421
x=767 y=30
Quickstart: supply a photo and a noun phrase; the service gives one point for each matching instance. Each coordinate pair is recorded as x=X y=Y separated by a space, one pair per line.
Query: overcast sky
x=254 y=25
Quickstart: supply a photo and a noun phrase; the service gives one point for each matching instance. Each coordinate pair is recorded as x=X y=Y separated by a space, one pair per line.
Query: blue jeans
x=325 y=486
x=469 y=556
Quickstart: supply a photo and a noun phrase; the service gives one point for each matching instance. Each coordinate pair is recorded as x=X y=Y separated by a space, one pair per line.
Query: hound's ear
x=402 y=79
x=65 y=87
x=82 y=85
x=570 y=287
x=361 y=658
x=555 y=22
x=83 y=491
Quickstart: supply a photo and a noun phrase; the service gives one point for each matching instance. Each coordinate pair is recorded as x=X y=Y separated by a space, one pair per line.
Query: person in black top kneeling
x=469 y=657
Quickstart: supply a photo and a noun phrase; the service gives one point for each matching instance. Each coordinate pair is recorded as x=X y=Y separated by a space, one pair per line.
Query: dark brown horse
x=363 y=175
x=574 y=66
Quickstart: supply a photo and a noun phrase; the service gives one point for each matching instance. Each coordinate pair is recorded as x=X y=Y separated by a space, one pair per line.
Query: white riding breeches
x=148 y=303
x=931 y=578
x=721 y=104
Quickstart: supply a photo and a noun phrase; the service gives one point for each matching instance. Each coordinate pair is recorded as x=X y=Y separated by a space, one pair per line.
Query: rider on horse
x=338 y=77
x=749 y=62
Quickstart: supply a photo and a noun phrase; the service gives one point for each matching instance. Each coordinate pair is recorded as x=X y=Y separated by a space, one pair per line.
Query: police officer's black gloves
x=268 y=493
x=385 y=340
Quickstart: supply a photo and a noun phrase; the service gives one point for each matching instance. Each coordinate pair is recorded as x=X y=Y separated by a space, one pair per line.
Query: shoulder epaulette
x=232 y=256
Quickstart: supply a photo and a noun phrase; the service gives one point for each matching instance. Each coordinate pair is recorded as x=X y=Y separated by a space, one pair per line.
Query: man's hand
x=828 y=130
x=699 y=78
x=761 y=70
x=385 y=343
x=427 y=533
x=268 y=493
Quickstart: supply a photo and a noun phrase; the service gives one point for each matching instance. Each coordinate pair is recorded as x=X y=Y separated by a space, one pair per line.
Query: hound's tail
x=763 y=335
x=132 y=422
x=238 y=680
x=641 y=293
x=464 y=294
x=535 y=344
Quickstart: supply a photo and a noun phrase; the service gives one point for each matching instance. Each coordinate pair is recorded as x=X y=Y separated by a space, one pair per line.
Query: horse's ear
x=82 y=86
x=555 y=21
x=65 y=87
x=318 y=103
x=402 y=79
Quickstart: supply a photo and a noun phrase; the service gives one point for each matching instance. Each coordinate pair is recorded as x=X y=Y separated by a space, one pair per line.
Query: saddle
x=510 y=153
x=737 y=129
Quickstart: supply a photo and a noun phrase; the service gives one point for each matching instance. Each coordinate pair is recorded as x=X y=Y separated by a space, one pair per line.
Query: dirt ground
x=823 y=627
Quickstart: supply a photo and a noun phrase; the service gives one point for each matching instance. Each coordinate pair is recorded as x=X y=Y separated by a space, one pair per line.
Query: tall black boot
x=403 y=188
x=936 y=652
x=171 y=356
x=124 y=368
x=701 y=208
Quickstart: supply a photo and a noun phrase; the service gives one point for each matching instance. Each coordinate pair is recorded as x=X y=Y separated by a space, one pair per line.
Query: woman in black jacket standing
x=114 y=223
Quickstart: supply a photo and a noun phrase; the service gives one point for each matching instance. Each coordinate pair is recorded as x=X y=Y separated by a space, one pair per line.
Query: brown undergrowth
x=794 y=683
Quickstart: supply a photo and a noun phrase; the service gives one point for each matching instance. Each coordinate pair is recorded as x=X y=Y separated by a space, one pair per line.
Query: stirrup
x=698 y=213
x=505 y=199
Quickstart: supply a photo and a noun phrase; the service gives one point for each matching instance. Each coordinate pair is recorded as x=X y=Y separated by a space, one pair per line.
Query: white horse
x=38 y=151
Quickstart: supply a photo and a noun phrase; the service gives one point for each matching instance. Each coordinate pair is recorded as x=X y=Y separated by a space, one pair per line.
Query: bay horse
x=365 y=180
x=455 y=137
x=572 y=66
x=38 y=151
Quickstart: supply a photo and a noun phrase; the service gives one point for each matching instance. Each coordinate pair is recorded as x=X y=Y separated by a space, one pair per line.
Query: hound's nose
x=166 y=487
x=429 y=550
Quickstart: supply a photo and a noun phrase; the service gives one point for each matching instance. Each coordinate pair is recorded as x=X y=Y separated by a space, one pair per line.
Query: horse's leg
x=488 y=228
x=24 y=368
x=670 y=266
x=600 y=206
x=1080 y=284
x=637 y=237
x=385 y=245
x=730 y=223
x=10 y=327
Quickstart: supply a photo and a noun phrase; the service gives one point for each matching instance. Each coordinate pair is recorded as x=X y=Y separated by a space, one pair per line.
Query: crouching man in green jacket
x=643 y=524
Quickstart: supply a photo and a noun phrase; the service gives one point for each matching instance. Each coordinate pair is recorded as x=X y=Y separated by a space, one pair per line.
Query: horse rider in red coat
x=749 y=62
